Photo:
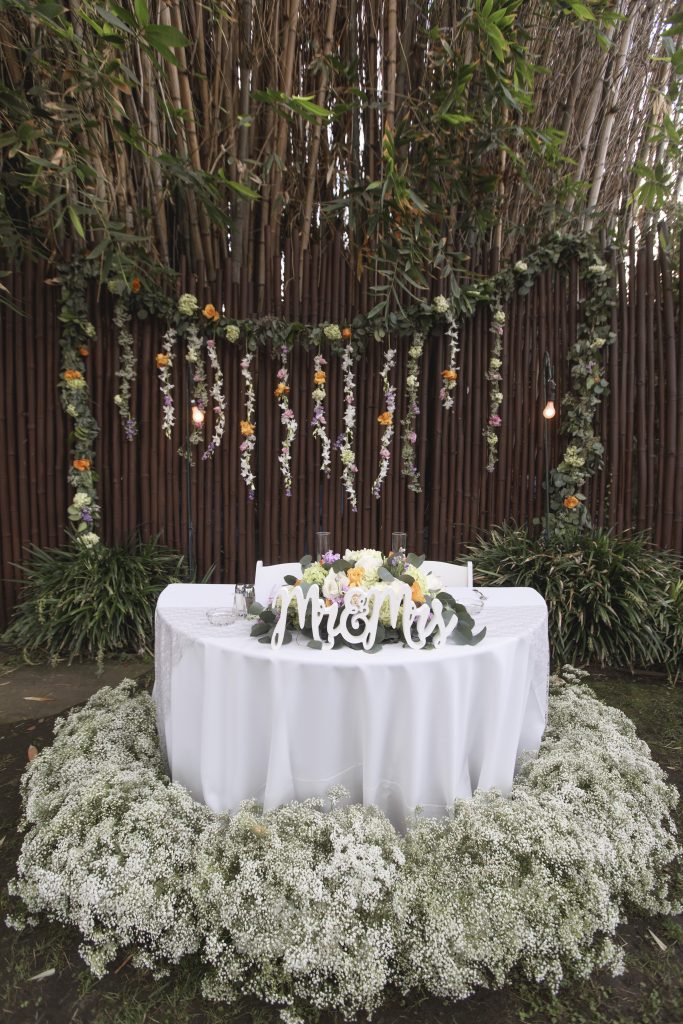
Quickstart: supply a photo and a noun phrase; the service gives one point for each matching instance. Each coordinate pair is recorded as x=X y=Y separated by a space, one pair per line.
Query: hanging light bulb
x=549 y=410
x=197 y=415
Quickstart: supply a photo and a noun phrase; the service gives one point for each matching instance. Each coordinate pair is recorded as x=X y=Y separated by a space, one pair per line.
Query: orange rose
x=320 y=377
x=246 y=428
x=385 y=418
x=210 y=312
x=161 y=359
x=81 y=464
x=449 y=375
x=72 y=375
x=135 y=285
x=355 y=576
x=280 y=390
x=416 y=593
x=84 y=351
x=571 y=501
x=346 y=332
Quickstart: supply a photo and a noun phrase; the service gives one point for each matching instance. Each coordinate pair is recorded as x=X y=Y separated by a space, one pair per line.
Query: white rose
x=520 y=266
x=334 y=581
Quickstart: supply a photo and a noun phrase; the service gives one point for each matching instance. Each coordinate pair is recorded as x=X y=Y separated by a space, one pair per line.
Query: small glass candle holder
x=221 y=616
x=322 y=544
x=240 y=604
x=398 y=541
x=249 y=596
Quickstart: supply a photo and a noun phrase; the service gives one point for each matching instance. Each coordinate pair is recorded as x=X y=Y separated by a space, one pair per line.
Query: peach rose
x=571 y=501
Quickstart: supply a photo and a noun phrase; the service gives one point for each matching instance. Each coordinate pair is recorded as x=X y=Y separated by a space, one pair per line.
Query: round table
x=400 y=729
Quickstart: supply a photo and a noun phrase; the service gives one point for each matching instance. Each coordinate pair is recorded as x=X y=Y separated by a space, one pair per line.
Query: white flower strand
x=408 y=424
x=287 y=419
x=386 y=418
x=319 y=421
x=194 y=356
x=217 y=396
x=248 y=426
x=450 y=375
x=127 y=371
x=165 y=366
x=309 y=909
x=346 y=443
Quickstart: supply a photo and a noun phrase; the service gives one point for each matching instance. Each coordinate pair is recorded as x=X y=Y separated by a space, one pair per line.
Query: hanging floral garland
x=287 y=419
x=127 y=371
x=200 y=394
x=494 y=377
x=319 y=421
x=386 y=420
x=218 y=399
x=248 y=426
x=346 y=442
x=408 y=432
x=449 y=376
x=164 y=361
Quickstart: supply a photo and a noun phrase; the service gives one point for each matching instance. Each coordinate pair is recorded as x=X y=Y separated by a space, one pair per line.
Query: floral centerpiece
x=364 y=599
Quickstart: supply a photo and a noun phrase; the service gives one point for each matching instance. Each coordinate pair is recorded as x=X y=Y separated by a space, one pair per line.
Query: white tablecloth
x=398 y=729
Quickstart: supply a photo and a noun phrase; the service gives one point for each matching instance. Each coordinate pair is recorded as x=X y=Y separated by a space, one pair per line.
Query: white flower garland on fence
x=450 y=374
x=287 y=419
x=218 y=399
x=408 y=424
x=319 y=421
x=127 y=371
x=248 y=426
x=200 y=394
x=494 y=377
x=164 y=361
x=310 y=911
x=346 y=442
x=386 y=419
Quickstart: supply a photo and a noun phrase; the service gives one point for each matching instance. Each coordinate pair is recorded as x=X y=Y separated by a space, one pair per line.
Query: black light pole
x=548 y=414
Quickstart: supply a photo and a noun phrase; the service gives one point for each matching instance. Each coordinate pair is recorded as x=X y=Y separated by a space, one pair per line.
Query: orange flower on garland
x=246 y=428
x=355 y=576
x=84 y=351
x=347 y=333
x=571 y=501
x=385 y=419
x=320 y=377
x=161 y=359
x=449 y=374
x=281 y=389
x=72 y=375
x=81 y=465
x=135 y=285
x=211 y=313
x=416 y=593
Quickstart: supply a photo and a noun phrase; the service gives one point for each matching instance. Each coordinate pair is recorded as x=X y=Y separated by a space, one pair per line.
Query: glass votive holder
x=221 y=616
x=322 y=544
x=398 y=541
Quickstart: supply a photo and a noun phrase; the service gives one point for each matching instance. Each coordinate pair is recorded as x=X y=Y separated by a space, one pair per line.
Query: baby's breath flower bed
x=305 y=908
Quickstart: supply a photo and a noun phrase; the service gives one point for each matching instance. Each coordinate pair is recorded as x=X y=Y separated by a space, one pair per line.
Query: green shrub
x=81 y=602
x=612 y=600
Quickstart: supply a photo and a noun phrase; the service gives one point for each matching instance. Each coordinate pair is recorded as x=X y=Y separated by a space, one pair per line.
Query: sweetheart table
x=399 y=728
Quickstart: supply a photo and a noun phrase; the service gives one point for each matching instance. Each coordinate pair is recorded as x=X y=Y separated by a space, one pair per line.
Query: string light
x=197 y=415
x=549 y=410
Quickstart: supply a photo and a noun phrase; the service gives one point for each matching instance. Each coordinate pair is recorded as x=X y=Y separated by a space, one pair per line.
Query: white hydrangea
x=88 y=540
x=81 y=499
x=315 y=573
x=441 y=304
x=187 y=304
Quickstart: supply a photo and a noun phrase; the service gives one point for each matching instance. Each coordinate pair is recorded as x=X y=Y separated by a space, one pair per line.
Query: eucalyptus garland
x=319 y=421
x=386 y=420
x=287 y=419
x=127 y=371
x=494 y=377
x=76 y=336
x=409 y=422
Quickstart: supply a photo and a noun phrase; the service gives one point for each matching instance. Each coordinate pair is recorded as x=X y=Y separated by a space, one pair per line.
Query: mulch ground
x=650 y=992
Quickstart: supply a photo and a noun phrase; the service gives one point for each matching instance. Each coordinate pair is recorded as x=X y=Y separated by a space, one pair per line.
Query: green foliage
x=612 y=600
x=90 y=602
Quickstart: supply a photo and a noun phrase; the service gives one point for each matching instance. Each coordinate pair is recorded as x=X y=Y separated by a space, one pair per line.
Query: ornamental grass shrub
x=612 y=600
x=90 y=602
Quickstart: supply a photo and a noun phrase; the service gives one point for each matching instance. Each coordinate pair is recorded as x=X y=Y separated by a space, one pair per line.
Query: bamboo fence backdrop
x=143 y=484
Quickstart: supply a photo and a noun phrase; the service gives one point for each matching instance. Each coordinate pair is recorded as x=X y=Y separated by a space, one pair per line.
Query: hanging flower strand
x=408 y=433
x=287 y=419
x=127 y=371
x=218 y=399
x=164 y=361
x=247 y=426
x=494 y=377
x=319 y=421
x=200 y=394
x=450 y=374
x=386 y=419
x=346 y=442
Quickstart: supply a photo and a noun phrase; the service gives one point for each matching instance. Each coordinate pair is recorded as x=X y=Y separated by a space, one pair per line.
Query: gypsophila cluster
x=347 y=450
x=309 y=908
x=494 y=377
x=287 y=419
x=386 y=419
x=409 y=422
x=127 y=371
x=319 y=419
x=217 y=396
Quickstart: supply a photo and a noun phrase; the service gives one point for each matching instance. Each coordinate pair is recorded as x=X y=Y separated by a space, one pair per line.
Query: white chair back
x=451 y=575
x=269 y=577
